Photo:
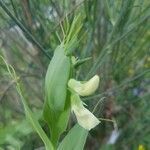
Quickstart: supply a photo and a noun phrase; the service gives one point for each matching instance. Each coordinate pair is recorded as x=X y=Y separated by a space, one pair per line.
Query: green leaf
x=56 y=124
x=56 y=80
x=71 y=40
x=75 y=139
x=37 y=127
x=57 y=106
x=81 y=61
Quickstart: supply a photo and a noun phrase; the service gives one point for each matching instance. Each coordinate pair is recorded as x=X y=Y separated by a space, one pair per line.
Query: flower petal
x=84 y=117
x=84 y=89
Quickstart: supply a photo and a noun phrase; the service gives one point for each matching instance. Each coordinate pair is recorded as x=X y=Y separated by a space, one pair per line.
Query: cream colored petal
x=84 y=89
x=84 y=117
x=89 y=87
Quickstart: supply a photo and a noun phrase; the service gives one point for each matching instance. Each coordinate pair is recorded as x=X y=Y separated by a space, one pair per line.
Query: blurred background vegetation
x=115 y=33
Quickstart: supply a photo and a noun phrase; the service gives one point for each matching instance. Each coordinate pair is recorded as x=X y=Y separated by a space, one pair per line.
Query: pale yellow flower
x=84 y=117
x=86 y=88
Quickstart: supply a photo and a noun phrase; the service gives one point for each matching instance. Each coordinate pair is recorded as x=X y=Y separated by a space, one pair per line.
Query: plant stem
x=21 y=26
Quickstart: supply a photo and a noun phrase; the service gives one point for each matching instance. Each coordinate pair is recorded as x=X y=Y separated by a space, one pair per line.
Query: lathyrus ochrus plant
x=63 y=92
x=62 y=96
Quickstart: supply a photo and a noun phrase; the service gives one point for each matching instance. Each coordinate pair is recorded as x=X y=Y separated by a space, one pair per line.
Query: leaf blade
x=75 y=139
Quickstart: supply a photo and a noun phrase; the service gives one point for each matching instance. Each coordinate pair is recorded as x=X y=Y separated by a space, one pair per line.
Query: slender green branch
x=21 y=26
x=108 y=46
x=14 y=8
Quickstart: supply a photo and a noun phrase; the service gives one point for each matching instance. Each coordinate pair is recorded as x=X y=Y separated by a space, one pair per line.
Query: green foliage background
x=115 y=33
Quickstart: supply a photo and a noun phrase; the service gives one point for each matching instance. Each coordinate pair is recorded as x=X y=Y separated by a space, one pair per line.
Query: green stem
x=21 y=26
